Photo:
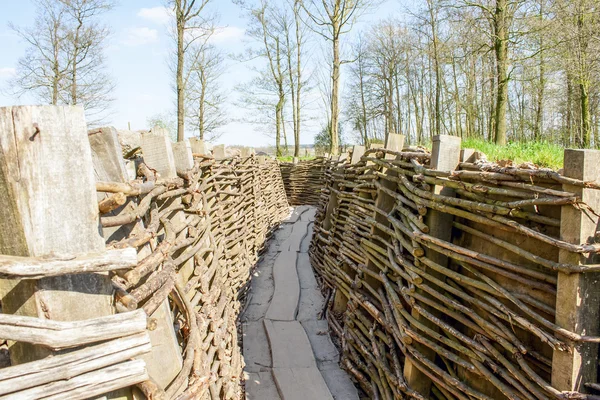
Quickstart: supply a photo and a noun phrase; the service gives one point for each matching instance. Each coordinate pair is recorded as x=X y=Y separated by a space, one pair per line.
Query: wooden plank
x=578 y=295
x=445 y=156
x=49 y=208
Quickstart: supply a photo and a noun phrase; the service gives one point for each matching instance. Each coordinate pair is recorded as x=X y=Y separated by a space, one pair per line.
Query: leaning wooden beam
x=67 y=366
x=87 y=385
x=64 y=334
x=13 y=267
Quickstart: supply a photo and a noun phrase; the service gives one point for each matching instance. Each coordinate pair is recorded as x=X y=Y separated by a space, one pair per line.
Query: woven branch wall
x=197 y=230
x=303 y=181
x=203 y=263
x=467 y=316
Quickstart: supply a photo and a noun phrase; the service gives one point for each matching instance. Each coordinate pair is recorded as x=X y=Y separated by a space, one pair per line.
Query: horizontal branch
x=64 y=334
x=14 y=267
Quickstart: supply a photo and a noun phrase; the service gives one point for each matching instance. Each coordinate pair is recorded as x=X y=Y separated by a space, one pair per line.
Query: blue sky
x=137 y=56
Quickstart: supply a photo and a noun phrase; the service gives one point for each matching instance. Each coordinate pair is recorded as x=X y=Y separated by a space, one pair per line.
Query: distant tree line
x=498 y=70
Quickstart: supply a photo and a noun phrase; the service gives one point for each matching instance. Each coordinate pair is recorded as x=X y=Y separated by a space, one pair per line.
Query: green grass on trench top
x=291 y=158
x=542 y=154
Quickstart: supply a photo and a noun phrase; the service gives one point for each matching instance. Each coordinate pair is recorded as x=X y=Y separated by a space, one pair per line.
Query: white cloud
x=227 y=34
x=7 y=72
x=157 y=15
x=140 y=36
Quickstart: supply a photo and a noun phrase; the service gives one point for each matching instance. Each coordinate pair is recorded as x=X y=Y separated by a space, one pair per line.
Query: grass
x=291 y=158
x=542 y=154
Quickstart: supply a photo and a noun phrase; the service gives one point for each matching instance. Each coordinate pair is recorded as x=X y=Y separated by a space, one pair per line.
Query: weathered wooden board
x=49 y=208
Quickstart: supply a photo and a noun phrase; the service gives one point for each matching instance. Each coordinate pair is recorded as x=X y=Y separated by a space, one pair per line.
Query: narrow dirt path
x=287 y=349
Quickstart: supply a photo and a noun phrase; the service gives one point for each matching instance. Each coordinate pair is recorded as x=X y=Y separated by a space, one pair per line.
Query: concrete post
x=164 y=361
x=158 y=154
x=445 y=156
x=219 y=151
x=182 y=153
x=198 y=146
x=578 y=295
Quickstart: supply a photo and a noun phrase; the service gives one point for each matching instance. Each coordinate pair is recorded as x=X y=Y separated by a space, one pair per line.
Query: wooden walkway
x=287 y=349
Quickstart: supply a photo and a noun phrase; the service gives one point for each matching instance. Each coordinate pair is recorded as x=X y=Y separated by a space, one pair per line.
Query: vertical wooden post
x=578 y=295
x=445 y=156
x=49 y=207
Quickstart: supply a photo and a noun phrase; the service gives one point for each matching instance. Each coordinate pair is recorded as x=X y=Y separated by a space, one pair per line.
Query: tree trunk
x=585 y=114
x=501 y=50
x=278 y=130
x=74 y=69
x=179 y=76
x=335 y=91
x=201 y=119
x=569 y=116
x=298 y=75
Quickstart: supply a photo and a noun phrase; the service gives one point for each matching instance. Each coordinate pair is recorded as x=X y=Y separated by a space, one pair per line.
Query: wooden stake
x=578 y=294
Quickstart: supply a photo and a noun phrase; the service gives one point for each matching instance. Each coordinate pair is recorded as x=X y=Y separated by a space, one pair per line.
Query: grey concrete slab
x=318 y=334
x=306 y=274
x=290 y=347
x=311 y=304
x=309 y=215
x=305 y=245
x=261 y=386
x=301 y=384
x=339 y=384
x=299 y=231
x=281 y=235
x=296 y=214
x=284 y=303
x=257 y=354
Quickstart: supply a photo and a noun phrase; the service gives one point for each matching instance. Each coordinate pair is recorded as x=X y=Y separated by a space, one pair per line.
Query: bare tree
x=332 y=19
x=43 y=68
x=295 y=41
x=190 y=25
x=204 y=98
x=267 y=28
x=65 y=62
